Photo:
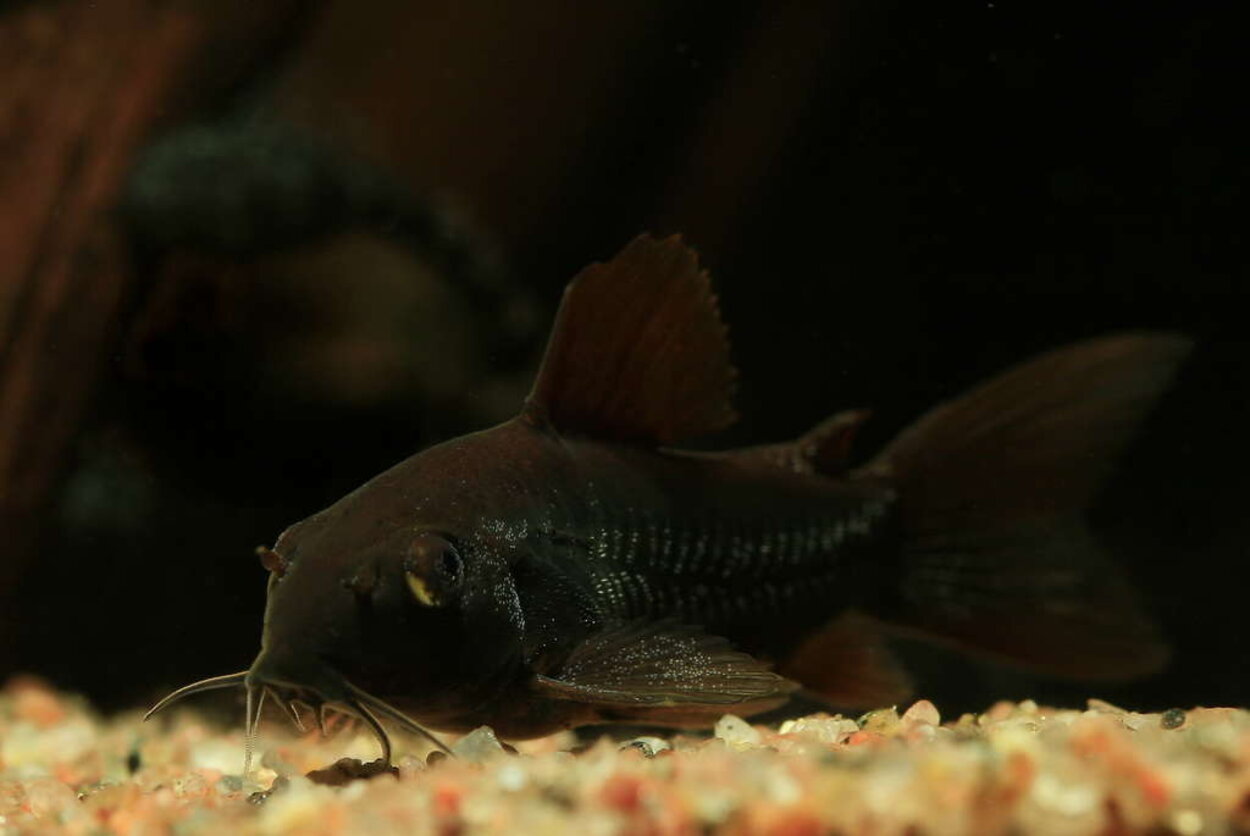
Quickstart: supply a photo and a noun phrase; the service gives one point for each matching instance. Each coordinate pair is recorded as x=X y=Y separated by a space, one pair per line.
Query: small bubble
x=1173 y=718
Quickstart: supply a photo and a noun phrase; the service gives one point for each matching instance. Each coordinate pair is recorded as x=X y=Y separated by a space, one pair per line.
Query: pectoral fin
x=664 y=672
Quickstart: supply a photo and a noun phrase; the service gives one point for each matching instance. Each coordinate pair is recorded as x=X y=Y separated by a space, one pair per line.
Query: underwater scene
x=636 y=417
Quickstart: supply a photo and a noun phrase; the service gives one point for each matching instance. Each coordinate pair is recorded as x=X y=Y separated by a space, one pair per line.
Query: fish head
x=392 y=602
x=420 y=611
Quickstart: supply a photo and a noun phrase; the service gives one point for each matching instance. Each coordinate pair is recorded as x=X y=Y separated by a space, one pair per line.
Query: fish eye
x=432 y=569
x=451 y=564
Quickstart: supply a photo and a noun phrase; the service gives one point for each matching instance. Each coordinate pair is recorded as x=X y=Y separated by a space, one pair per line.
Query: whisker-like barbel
x=292 y=712
x=228 y=680
x=398 y=716
x=322 y=711
x=370 y=719
x=363 y=704
x=255 y=704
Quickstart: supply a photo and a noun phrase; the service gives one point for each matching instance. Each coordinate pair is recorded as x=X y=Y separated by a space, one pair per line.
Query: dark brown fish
x=570 y=566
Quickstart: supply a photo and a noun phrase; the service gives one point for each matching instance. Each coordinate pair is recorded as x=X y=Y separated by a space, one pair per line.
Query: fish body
x=573 y=565
x=569 y=537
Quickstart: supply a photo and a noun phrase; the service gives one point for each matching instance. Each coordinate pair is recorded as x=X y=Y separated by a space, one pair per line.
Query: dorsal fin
x=638 y=351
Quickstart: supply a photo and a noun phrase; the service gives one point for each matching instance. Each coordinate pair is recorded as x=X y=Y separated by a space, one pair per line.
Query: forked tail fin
x=992 y=491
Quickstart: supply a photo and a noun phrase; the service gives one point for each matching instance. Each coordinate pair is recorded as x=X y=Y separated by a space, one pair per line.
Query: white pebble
x=649 y=746
x=477 y=745
x=736 y=732
x=511 y=776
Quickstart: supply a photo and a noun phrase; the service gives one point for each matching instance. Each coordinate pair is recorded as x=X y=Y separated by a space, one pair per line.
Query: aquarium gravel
x=1016 y=768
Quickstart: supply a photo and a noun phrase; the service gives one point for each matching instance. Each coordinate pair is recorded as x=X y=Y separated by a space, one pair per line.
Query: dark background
x=344 y=231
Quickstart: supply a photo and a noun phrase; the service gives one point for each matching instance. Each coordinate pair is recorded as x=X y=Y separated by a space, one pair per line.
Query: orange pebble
x=622 y=792
x=777 y=821
x=797 y=823
x=447 y=798
x=1154 y=788
x=67 y=774
x=37 y=705
x=864 y=738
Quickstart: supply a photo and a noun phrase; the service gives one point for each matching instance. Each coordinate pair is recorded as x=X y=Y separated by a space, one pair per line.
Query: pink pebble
x=922 y=711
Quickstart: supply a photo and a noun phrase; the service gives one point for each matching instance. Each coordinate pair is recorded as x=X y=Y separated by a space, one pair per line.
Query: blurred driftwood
x=84 y=85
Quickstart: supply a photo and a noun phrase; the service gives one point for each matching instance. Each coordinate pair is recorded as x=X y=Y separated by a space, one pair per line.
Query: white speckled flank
x=714 y=567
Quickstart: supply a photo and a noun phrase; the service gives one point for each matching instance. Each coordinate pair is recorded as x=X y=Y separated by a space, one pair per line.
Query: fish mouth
x=336 y=694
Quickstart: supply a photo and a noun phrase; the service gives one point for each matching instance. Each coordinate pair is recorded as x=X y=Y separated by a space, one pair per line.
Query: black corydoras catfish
x=570 y=566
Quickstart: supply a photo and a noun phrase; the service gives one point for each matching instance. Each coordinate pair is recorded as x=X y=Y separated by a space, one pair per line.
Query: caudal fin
x=992 y=489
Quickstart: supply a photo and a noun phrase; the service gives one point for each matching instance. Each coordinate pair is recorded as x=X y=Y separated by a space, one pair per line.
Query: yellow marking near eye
x=420 y=590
